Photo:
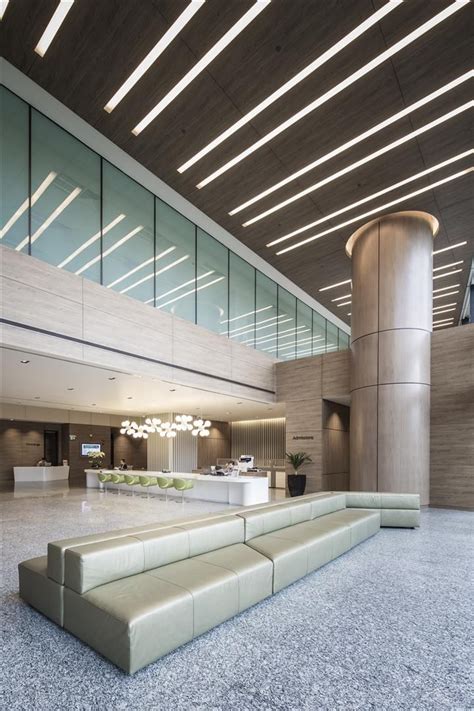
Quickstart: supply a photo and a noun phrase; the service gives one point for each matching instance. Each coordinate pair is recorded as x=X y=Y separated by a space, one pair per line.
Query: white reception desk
x=29 y=474
x=235 y=490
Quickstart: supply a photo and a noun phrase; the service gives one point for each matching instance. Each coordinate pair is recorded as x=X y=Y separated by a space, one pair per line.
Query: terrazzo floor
x=386 y=626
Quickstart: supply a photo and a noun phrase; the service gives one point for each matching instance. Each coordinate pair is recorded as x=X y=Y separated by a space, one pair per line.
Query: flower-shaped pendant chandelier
x=182 y=423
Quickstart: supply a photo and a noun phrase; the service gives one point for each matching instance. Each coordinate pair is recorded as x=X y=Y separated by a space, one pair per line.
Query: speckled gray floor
x=387 y=626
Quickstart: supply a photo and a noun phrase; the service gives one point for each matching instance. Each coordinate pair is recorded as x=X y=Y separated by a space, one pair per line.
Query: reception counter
x=29 y=474
x=235 y=490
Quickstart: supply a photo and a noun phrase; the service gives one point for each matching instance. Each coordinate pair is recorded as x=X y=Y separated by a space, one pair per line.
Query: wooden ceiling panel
x=100 y=43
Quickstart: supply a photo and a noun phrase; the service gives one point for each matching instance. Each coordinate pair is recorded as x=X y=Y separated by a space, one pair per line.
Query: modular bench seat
x=138 y=593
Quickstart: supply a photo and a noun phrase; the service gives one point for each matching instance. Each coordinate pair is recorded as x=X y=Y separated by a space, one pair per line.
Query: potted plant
x=96 y=459
x=297 y=482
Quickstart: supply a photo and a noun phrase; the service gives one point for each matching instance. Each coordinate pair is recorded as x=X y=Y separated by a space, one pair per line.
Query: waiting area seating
x=136 y=594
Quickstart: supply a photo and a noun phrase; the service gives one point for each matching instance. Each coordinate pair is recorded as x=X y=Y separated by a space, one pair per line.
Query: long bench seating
x=139 y=593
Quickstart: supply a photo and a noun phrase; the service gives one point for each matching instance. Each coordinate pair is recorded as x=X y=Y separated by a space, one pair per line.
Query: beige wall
x=264 y=439
x=452 y=417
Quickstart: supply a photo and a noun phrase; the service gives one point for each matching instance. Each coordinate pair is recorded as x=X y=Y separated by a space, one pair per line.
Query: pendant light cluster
x=182 y=423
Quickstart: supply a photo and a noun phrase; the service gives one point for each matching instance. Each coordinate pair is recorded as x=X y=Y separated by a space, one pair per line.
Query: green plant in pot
x=96 y=459
x=296 y=481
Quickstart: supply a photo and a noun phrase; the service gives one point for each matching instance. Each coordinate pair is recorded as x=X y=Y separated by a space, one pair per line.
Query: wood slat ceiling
x=100 y=43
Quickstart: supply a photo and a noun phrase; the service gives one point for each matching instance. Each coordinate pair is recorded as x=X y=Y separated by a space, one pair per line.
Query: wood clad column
x=392 y=271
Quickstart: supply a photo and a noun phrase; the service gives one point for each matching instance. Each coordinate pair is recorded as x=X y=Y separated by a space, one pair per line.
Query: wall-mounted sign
x=87 y=449
x=72 y=437
x=303 y=437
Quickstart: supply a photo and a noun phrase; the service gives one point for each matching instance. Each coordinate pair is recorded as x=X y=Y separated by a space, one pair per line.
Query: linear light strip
x=443 y=324
x=249 y=313
x=333 y=286
x=186 y=283
x=443 y=306
x=140 y=266
x=344 y=303
x=153 y=55
x=91 y=240
x=378 y=209
x=187 y=293
x=3 y=7
x=368 y=198
x=444 y=320
x=440 y=276
x=390 y=52
x=53 y=26
x=451 y=246
x=445 y=266
x=448 y=293
x=260 y=328
x=443 y=288
x=338 y=298
x=266 y=320
x=44 y=226
x=24 y=205
x=199 y=67
x=354 y=141
x=296 y=79
x=444 y=311
x=294 y=343
x=152 y=275
x=111 y=249
x=363 y=161
x=290 y=332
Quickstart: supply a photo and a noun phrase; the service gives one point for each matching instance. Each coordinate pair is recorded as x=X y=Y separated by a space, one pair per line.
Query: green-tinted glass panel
x=14 y=169
x=128 y=236
x=343 y=340
x=212 y=290
x=332 y=337
x=319 y=333
x=304 y=333
x=242 y=316
x=65 y=200
x=266 y=336
x=175 y=263
x=287 y=328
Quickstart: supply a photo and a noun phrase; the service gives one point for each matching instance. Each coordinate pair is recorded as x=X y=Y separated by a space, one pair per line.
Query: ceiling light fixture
x=294 y=343
x=44 y=226
x=448 y=293
x=257 y=323
x=344 y=303
x=199 y=67
x=378 y=209
x=111 y=249
x=451 y=246
x=353 y=205
x=453 y=271
x=290 y=332
x=187 y=293
x=261 y=328
x=354 y=141
x=363 y=161
x=333 y=286
x=24 y=361
x=296 y=79
x=153 y=55
x=443 y=324
x=24 y=205
x=443 y=306
x=3 y=7
x=445 y=266
x=140 y=266
x=443 y=320
x=153 y=274
x=53 y=26
x=443 y=288
x=444 y=311
x=338 y=298
x=91 y=240
x=390 y=52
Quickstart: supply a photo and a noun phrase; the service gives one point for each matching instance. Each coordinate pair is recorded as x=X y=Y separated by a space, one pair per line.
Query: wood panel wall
x=452 y=418
x=264 y=439
x=134 y=451
x=336 y=449
x=214 y=447
x=22 y=445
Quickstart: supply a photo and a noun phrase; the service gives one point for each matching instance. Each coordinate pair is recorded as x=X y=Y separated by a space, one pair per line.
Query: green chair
x=104 y=479
x=165 y=483
x=146 y=482
x=131 y=480
x=183 y=485
x=117 y=479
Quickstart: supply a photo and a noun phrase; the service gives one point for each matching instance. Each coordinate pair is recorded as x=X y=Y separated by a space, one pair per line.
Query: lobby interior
x=232 y=233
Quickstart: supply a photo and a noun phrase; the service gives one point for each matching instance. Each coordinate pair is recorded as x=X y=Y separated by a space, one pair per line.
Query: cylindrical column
x=392 y=297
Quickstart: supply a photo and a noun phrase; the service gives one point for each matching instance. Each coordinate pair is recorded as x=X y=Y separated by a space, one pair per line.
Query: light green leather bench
x=139 y=593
